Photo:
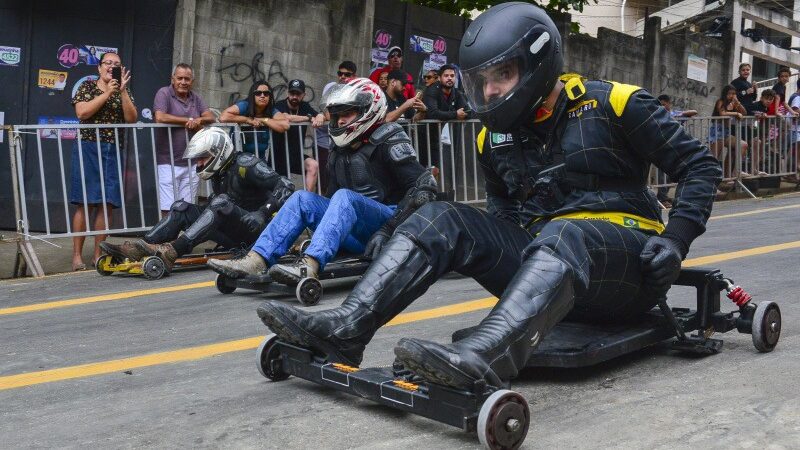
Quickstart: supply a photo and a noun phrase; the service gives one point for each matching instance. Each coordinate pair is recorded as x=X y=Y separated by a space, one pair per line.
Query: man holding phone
x=397 y=105
x=177 y=104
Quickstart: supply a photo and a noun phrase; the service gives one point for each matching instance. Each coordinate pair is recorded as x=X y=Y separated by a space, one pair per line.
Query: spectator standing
x=102 y=101
x=430 y=77
x=257 y=111
x=346 y=72
x=719 y=135
x=794 y=156
x=176 y=104
x=398 y=106
x=445 y=102
x=395 y=59
x=764 y=109
x=297 y=111
x=745 y=91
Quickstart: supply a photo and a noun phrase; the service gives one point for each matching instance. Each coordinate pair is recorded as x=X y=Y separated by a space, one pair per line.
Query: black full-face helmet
x=511 y=58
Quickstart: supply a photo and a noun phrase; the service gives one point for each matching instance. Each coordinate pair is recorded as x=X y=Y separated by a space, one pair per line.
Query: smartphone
x=116 y=73
x=419 y=95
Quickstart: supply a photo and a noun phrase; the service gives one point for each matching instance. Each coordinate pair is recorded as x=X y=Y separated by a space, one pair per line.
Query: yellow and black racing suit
x=575 y=183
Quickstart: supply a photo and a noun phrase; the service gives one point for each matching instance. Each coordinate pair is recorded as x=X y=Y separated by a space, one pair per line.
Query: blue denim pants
x=347 y=220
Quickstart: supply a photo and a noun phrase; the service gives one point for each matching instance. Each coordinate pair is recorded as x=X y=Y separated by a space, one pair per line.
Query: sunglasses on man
x=344 y=74
x=262 y=93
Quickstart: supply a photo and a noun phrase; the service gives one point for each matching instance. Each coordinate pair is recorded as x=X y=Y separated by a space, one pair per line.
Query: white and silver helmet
x=213 y=142
x=361 y=95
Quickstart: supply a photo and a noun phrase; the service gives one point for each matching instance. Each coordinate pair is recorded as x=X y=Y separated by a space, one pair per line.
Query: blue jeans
x=347 y=220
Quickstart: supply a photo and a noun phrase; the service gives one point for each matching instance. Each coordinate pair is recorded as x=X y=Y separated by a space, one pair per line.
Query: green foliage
x=463 y=7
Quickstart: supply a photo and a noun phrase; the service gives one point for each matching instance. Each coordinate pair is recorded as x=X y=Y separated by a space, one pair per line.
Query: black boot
x=395 y=279
x=539 y=296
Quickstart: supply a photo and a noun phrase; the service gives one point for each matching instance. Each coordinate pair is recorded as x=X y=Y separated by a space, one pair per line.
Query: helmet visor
x=497 y=80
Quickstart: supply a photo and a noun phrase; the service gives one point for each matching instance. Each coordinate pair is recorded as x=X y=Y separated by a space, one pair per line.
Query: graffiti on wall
x=241 y=73
x=686 y=88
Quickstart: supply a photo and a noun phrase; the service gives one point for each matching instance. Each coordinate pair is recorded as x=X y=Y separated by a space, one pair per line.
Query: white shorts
x=184 y=188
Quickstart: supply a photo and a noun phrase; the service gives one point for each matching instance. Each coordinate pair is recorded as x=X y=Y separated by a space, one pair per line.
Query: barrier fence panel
x=54 y=168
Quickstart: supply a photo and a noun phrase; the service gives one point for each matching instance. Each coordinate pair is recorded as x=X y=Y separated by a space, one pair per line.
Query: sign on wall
x=697 y=68
x=9 y=56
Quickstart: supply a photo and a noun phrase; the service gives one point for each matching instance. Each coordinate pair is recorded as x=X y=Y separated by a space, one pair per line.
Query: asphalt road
x=90 y=361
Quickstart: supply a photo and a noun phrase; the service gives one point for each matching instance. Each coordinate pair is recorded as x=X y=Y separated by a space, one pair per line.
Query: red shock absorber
x=738 y=295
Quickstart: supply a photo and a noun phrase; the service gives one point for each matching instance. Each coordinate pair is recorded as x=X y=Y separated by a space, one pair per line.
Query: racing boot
x=166 y=252
x=539 y=296
x=126 y=250
x=250 y=264
x=399 y=275
x=291 y=274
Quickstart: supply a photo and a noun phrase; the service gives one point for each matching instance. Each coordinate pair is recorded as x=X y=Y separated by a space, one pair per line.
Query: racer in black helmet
x=571 y=228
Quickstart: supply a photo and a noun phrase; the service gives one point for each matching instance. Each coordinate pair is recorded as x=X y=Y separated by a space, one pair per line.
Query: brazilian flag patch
x=630 y=222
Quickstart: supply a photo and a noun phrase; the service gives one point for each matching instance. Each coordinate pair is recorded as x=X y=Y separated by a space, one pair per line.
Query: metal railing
x=747 y=148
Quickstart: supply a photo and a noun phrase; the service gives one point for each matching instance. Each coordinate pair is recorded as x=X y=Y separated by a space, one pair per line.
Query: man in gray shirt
x=176 y=104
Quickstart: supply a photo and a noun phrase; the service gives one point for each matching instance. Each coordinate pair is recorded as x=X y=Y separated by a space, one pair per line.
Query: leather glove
x=660 y=263
x=376 y=243
x=255 y=221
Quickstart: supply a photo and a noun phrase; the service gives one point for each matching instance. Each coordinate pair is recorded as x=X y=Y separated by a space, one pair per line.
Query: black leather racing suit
x=246 y=193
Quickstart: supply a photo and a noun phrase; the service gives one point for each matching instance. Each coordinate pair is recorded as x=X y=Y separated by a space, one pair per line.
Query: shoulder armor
x=246 y=159
x=384 y=132
x=619 y=96
x=402 y=151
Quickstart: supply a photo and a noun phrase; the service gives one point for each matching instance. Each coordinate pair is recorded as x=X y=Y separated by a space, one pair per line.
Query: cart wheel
x=102 y=265
x=503 y=420
x=304 y=245
x=766 y=326
x=222 y=284
x=265 y=355
x=153 y=268
x=309 y=291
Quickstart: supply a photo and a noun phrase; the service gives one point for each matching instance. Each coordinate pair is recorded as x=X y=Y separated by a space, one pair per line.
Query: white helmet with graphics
x=210 y=142
x=360 y=95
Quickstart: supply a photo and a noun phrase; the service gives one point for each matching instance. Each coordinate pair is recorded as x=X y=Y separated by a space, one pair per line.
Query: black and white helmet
x=361 y=95
x=213 y=142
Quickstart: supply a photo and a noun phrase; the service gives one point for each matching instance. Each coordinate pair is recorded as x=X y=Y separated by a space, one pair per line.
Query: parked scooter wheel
x=101 y=264
x=503 y=420
x=766 y=326
x=223 y=286
x=267 y=359
x=309 y=291
x=153 y=268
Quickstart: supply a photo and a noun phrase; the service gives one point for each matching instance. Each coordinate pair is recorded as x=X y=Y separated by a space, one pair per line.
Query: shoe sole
x=434 y=369
x=290 y=332
x=224 y=270
x=280 y=276
x=113 y=251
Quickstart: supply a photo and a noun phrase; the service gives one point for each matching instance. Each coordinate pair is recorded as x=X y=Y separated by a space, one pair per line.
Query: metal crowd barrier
x=753 y=151
x=749 y=148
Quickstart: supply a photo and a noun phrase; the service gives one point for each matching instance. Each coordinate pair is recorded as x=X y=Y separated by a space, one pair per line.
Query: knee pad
x=179 y=206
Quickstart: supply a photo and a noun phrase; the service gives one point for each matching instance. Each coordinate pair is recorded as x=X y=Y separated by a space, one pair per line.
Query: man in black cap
x=297 y=111
x=395 y=59
x=399 y=107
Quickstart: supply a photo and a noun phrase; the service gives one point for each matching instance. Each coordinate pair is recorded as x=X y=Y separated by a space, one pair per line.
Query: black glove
x=376 y=242
x=255 y=221
x=660 y=263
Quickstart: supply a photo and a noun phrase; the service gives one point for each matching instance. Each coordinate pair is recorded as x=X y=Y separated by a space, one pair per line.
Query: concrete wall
x=231 y=43
x=657 y=62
